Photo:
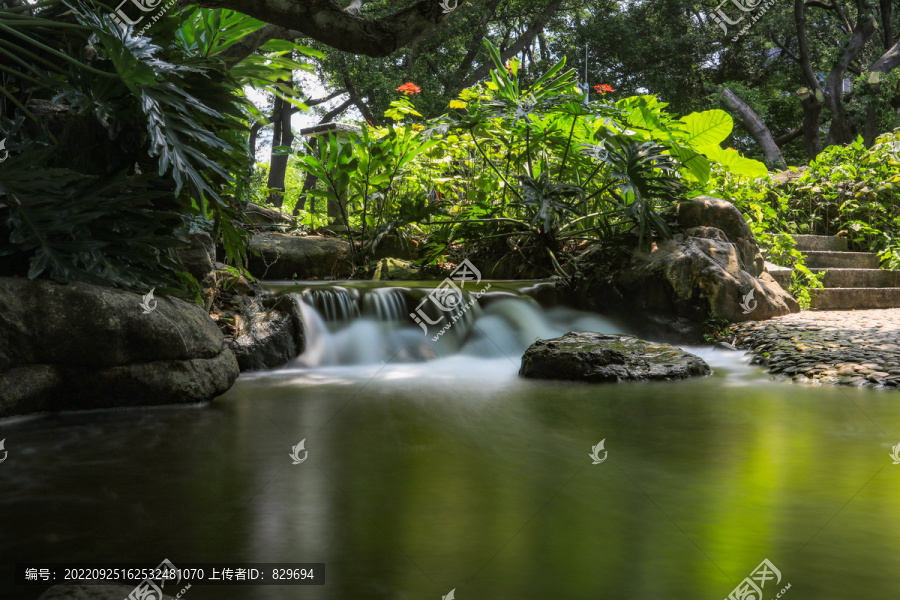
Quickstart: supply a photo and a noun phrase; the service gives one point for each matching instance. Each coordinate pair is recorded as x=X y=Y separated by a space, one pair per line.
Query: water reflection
x=455 y=473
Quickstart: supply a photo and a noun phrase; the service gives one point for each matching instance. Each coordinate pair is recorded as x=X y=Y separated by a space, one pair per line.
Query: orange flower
x=603 y=88
x=409 y=88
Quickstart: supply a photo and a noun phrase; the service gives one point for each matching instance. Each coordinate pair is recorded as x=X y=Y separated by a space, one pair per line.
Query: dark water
x=456 y=474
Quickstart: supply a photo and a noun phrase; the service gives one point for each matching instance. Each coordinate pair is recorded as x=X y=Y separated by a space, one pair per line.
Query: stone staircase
x=852 y=279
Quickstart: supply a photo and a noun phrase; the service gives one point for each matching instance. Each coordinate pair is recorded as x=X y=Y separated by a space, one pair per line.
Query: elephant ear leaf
x=707 y=128
x=734 y=162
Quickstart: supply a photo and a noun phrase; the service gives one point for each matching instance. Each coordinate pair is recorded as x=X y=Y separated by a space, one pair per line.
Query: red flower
x=603 y=88
x=509 y=68
x=409 y=88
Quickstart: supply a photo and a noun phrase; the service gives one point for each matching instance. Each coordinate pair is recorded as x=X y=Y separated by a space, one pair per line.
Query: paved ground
x=845 y=347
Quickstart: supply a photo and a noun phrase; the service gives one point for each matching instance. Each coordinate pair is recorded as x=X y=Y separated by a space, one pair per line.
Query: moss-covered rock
x=604 y=358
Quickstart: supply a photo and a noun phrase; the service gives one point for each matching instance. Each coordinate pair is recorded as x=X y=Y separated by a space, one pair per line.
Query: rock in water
x=605 y=358
x=269 y=334
x=83 y=346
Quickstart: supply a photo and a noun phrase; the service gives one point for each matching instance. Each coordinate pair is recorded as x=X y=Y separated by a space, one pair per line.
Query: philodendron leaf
x=707 y=128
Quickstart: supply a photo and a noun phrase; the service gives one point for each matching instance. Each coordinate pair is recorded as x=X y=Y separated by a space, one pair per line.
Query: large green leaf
x=707 y=128
x=734 y=162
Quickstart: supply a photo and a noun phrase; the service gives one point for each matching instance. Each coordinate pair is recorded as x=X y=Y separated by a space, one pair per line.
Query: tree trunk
x=811 y=98
x=841 y=130
x=254 y=134
x=282 y=137
x=756 y=127
x=889 y=61
x=886 y=10
x=812 y=110
x=276 y=175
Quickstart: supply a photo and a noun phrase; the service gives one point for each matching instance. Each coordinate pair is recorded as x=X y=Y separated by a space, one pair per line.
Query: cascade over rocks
x=606 y=358
x=710 y=268
x=81 y=346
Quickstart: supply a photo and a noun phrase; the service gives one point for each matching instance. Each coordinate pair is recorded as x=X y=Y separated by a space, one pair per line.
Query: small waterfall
x=358 y=323
x=336 y=304
x=385 y=304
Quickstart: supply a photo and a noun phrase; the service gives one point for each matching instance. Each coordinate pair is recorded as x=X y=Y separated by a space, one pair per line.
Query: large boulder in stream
x=283 y=256
x=712 y=267
x=82 y=346
x=605 y=358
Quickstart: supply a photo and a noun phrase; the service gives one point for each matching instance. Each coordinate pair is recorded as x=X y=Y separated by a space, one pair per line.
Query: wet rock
x=852 y=361
x=268 y=333
x=80 y=346
x=604 y=358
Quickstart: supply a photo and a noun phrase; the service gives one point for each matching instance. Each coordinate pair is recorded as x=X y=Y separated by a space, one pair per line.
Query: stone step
x=827 y=259
x=782 y=275
x=820 y=242
x=859 y=298
x=857 y=278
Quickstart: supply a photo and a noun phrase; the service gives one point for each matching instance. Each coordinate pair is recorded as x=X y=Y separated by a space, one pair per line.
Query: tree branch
x=325 y=21
x=755 y=126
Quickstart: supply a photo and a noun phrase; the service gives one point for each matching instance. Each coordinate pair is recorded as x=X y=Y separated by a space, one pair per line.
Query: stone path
x=859 y=348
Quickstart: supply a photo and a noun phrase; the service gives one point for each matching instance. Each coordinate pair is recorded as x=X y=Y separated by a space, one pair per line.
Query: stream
x=433 y=467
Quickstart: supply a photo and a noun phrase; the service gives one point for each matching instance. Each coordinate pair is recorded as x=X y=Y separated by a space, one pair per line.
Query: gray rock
x=603 y=358
x=199 y=260
x=270 y=333
x=266 y=218
x=711 y=268
x=80 y=346
x=282 y=256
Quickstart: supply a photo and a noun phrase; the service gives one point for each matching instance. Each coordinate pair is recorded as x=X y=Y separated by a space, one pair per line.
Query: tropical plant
x=119 y=147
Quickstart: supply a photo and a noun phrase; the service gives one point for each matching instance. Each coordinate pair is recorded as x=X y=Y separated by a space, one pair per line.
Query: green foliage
x=531 y=163
x=848 y=190
x=148 y=145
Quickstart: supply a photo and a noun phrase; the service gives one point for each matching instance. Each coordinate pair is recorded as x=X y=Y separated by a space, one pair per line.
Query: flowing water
x=432 y=466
